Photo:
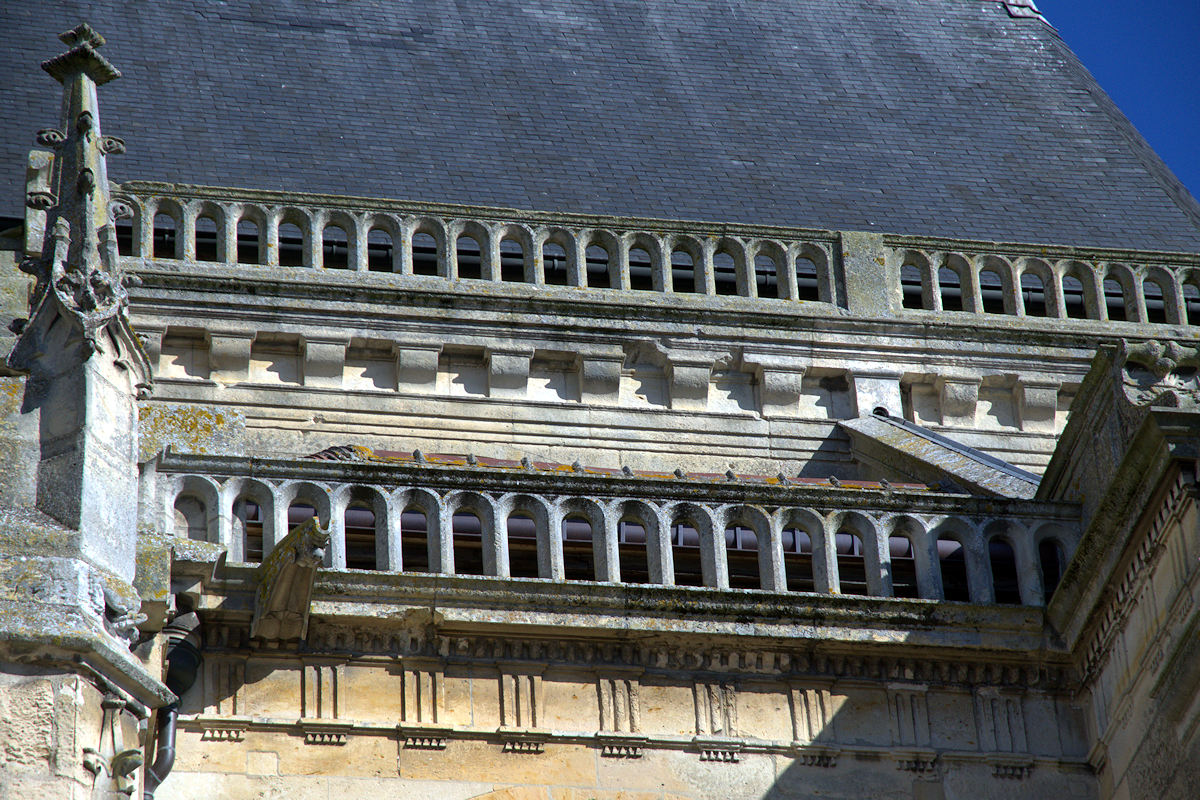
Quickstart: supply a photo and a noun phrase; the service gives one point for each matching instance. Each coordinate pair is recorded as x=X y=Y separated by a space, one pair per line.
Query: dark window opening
x=512 y=261
x=852 y=566
x=1050 y=555
x=685 y=553
x=683 y=272
x=904 y=567
x=522 y=547
x=952 y=558
x=335 y=248
x=291 y=246
x=797 y=560
x=808 y=286
x=124 y=231
x=1074 y=298
x=414 y=541
x=1191 y=302
x=631 y=549
x=250 y=518
x=1033 y=292
x=641 y=270
x=1156 y=307
x=206 y=239
x=1004 y=572
x=991 y=292
x=1114 y=301
x=911 y=288
x=424 y=255
x=380 y=255
x=951 y=289
x=468 y=544
x=164 y=236
x=598 y=274
x=470 y=258
x=360 y=538
x=725 y=274
x=578 y=559
x=741 y=557
x=766 y=276
x=554 y=264
x=247 y=243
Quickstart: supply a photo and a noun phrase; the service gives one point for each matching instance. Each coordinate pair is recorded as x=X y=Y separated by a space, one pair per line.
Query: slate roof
x=927 y=118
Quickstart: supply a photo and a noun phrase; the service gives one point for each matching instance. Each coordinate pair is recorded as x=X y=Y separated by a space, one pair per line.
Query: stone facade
x=419 y=500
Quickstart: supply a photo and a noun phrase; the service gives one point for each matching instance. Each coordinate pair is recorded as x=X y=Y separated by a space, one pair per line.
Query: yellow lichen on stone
x=189 y=428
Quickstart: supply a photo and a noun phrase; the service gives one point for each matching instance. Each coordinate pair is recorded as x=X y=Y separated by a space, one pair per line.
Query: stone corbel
x=324 y=360
x=780 y=382
x=417 y=366
x=151 y=337
x=508 y=371
x=958 y=399
x=1037 y=404
x=600 y=375
x=689 y=375
x=229 y=355
x=285 y=582
x=875 y=388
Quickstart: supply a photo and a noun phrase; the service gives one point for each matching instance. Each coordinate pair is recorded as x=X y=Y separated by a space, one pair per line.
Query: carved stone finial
x=78 y=273
x=82 y=57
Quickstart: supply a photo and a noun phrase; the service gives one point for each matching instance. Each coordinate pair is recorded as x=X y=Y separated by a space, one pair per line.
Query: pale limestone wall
x=46 y=719
x=428 y=727
x=1143 y=685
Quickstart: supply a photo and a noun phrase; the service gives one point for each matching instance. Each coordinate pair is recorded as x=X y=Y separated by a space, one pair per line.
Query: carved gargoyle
x=1165 y=374
x=285 y=583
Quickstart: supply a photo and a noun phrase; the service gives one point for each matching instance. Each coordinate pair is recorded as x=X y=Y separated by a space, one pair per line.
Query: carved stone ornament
x=285 y=582
x=1165 y=374
x=79 y=274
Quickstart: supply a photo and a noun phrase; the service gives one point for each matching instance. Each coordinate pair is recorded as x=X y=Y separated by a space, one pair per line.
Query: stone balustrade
x=470 y=243
x=1051 y=282
x=463 y=516
x=475 y=243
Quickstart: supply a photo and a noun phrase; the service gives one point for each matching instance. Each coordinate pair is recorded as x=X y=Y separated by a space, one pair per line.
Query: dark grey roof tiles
x=943 y=118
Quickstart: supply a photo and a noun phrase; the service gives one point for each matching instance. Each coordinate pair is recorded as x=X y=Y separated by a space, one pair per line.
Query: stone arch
x=199 y=518
x=913 y=573
x=774 y=279
x=1125 y=302
x=913 y=267
x=414 y=543
x=600 y=551
x=250 y=232
x=547 y=544
x=367 y=547
x=695 y=558
x=996 y=278
x=1001 y=538
x=963 y=573
x=1168 y=296
x=416 y=246
x=250 y=508
x=800 y=570
x=855 y=524
x=731 y=271
x=688 y=278
x=762 y=569
x=645 y=558
x=467 y=552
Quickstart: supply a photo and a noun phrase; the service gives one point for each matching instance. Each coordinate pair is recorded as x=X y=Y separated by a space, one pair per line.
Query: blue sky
x=1146 y=55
